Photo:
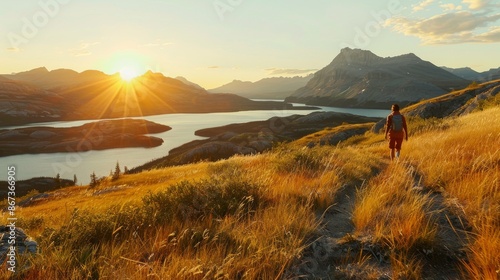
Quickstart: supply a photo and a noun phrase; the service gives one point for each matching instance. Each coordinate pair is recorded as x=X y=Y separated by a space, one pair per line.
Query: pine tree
x=75 y=180
x=93 y=180
x=58 y=180
x=117 y=172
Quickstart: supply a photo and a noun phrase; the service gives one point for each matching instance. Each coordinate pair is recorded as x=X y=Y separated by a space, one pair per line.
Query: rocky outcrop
x=23 y=243
x=99 y=135
x=359 y=78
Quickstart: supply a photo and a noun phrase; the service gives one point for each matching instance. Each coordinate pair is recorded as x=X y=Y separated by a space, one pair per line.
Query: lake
x=82 y=164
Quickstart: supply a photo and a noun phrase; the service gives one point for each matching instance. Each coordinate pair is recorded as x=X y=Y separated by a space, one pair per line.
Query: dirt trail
x=442 y=261
x=337 y=253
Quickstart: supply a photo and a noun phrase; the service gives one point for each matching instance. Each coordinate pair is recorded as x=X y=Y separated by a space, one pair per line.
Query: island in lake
x=100 y=135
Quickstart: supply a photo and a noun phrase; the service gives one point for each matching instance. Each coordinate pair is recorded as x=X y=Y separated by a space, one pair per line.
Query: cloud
x=451 y=7
x=281 y=71
x=83 y=50
x=477 y=4
x=422 y=5
x=13 y=49
x=448 y=28
x=213 y=67
x=491 y=36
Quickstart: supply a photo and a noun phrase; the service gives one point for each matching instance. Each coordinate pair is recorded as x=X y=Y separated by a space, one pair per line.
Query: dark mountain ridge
x=40 y=95
x=43 y=78
x=359 y=78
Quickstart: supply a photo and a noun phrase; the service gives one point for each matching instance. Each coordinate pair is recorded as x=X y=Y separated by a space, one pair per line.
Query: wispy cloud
x=282 y=71
x=422 y=5
x=477 y=4
x=83 y=50
x=213 y=67
x=451 y=7
x=491 y=36
x=453 y=26
x=13 y=49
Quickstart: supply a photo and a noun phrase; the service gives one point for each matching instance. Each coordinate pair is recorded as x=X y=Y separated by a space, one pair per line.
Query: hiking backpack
x=397 y=123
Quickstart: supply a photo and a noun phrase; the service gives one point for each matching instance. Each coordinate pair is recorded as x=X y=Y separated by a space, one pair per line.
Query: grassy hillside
x=340 y=211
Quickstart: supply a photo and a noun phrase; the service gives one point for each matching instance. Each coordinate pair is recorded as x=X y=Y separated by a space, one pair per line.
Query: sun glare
x=127 y=74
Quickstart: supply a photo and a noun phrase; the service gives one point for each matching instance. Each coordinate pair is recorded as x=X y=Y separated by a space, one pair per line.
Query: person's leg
x=399 y=143
x=392 y=146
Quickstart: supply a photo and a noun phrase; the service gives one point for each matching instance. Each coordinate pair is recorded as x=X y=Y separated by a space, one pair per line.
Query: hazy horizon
x=214 y=42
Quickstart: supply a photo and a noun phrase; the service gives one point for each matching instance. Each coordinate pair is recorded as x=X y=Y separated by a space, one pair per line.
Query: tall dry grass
x=463 y=161
x=391 y=213
x=247 y=217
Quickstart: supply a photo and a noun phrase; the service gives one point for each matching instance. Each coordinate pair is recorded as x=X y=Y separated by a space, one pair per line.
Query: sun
x=128 y=73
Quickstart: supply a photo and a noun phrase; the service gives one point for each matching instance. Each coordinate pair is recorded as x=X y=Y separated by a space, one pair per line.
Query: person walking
x=395 y=131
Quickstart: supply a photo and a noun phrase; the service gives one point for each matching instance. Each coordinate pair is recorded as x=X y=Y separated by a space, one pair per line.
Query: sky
x=212 y=42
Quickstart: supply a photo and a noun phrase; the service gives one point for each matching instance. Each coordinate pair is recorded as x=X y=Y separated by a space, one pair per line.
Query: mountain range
x=470 y=74
x=41 y=95
x=355 y=78
x=267 y=88
x=359 y=78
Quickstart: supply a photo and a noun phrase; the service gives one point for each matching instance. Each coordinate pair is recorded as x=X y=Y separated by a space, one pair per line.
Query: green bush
x=309 y=160
x=87 y=228
x=193 y=200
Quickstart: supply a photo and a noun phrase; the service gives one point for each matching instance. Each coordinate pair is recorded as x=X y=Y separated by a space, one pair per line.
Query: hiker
x=396 y=130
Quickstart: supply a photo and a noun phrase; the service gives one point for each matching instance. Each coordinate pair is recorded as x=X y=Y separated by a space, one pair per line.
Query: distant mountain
x=268 y=88
x=21 y=103
x=189 y=83
x=359 y=78
x=465 y=72
x=42 y=95
x=46 y=79
x=469 y=74
x=492 y=74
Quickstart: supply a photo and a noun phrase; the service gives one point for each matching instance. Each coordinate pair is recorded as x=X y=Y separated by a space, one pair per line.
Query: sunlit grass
x=464 y=163
x=389 y=209
x=129 y=227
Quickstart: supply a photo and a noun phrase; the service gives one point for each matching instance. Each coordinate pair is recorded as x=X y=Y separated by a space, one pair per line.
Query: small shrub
x=31 y=223
x=194 y=200
x=473 y=85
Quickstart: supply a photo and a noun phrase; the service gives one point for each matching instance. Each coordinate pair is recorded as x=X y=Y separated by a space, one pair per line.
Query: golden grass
x=116 y=235
x=390 y=212
x=464 y=163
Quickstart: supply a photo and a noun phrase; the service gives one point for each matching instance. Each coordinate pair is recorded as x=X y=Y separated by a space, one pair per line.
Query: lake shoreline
x=82 y=164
